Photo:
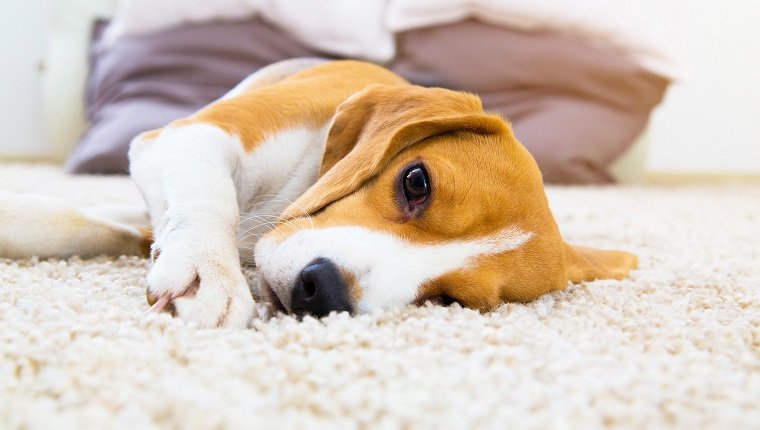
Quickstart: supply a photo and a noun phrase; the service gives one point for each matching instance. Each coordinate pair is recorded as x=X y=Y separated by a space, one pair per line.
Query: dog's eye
x=416 y=186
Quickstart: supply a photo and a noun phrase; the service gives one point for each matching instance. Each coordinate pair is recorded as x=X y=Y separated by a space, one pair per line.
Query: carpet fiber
x=675 y=345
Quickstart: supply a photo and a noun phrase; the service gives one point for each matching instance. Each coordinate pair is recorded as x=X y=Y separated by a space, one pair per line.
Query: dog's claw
x=150 y=298
x=159 y=304
x=163 y=302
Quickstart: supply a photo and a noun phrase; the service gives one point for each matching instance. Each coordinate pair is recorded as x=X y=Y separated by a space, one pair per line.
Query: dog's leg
x=187 y=177
x=35 y=225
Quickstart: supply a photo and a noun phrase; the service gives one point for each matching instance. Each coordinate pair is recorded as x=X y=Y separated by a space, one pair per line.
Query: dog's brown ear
x=587 y=264
x=374 y=125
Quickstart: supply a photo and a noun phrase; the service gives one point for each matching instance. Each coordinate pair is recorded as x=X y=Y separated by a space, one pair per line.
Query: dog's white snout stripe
x=389 y=270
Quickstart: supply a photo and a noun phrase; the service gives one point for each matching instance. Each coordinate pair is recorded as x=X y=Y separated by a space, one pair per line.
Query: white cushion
x=340 y=27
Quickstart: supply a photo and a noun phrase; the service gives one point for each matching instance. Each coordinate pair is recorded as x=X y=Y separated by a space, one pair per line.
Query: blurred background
x=578 y=79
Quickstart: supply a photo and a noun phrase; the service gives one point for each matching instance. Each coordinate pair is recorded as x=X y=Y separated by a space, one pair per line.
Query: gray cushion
x=144 y=82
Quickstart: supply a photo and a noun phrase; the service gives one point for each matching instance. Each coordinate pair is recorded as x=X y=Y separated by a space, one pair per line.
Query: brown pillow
x=575 y=107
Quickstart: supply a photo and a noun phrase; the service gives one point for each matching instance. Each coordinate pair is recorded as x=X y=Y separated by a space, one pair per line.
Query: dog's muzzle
x=319 y=289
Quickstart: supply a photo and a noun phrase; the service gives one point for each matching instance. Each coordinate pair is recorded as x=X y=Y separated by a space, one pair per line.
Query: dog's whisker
x=259 y=221
x=268 y=217
x=263 y=221
x=276 y=197
x=272 y=223
x=271 y=198
x=252 y=228
x=292 y=225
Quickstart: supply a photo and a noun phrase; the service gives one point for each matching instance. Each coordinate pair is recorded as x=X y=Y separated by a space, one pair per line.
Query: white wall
x=23 y=32
x=710 y=121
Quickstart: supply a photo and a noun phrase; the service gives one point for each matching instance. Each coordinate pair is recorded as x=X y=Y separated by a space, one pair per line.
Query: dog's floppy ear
x=587 y=264
x=374 y=125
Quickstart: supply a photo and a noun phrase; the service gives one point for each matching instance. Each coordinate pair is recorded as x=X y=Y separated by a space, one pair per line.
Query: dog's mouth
x=270 y=295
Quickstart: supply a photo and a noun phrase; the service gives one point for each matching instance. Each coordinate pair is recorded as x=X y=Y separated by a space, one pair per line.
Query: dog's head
x=422 y=196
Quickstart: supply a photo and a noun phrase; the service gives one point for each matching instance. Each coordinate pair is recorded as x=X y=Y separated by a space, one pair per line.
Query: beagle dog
x=347 y=187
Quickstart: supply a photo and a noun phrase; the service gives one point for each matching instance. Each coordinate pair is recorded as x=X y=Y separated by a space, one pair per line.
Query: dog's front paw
x=201 y=287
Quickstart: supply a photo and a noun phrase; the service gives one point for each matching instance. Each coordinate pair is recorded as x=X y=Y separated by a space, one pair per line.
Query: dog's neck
x=289 y=161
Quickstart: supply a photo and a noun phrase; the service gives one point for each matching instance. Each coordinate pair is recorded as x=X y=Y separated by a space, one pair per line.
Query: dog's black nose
x=320 y=290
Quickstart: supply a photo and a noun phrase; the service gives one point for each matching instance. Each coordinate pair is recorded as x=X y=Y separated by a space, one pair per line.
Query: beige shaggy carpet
x=675 y=346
